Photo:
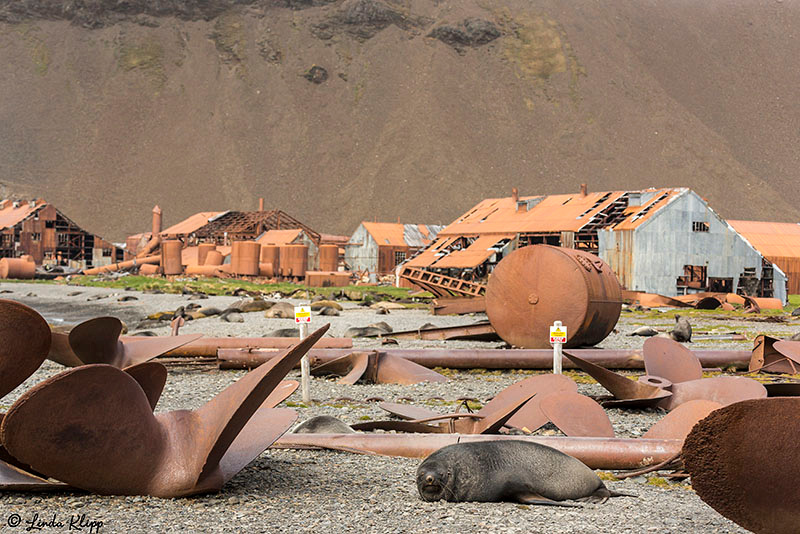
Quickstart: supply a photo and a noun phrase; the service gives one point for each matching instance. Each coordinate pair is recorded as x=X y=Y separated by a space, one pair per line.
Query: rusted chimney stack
x=156 y=221
x=584 y=190
x=514 y=195
x=261 y=204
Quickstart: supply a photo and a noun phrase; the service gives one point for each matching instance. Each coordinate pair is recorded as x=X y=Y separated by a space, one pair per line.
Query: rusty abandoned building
x=38 y=229
x=378 y=248
x=778 y=242
x=667 y=241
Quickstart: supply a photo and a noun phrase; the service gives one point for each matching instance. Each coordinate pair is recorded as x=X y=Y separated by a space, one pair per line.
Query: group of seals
x=515 y=471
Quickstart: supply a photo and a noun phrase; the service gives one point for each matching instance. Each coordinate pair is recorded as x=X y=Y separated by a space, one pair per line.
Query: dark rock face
x=316 y=74
x=469 y=32
x=363 y=19
x=99 y=13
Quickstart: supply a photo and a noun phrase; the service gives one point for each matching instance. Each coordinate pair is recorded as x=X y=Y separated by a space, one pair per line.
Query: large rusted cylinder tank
x=328 y=257
x=271 y=254
x=17 y=268
x=294 y=260
x=171 y=262
x=148 y=269
x=266 y=270
x=244 y=257
x=202 y=252
x=214 y=257
x=536 y=285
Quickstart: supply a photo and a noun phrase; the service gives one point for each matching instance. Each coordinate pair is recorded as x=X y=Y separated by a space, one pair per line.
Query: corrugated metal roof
x=191 y=224
x=771 y=239
x=401 y=235
x=553 y=213
x=429 y=255
x=11 y=216
x=279 y=237
x=473 y=255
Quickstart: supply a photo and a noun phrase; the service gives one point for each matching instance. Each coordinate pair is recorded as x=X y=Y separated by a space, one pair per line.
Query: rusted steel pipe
x=151 y=245
x=231 y=358
x=209 y=346
x=597 y=453
x=155 y=260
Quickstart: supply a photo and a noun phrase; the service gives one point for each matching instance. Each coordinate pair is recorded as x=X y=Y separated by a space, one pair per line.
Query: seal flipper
x=533 y=498
x=602 y=494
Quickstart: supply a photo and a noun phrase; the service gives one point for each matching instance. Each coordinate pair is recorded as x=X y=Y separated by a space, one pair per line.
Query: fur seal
x=644 y=331
x=323 y=424
x=511 y=471
x=682 y=331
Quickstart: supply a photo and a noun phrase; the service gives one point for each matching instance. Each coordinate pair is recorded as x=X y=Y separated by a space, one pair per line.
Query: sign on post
x=302 y=316
x=558 y=336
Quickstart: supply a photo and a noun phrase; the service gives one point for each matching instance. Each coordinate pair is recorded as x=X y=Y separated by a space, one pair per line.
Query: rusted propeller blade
x=576 y=415
x=98 y=341
x=61 y=352
x=280 y=393
x=679 y=422
x=118 y=446
x=530 y=415
x=722 y=389
x=350 y=367
x=666 y=358
x=396 y=370
x=743 y=462
x=15 y=479
x=378 y=367
x=25 y=343
x=407 y=411
x=655 y=381
x=152 y=377
x=626 y=392
x=791 y=350
x=766 y=356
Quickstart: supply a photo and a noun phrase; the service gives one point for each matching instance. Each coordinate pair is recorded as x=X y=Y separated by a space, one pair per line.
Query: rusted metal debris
x=98 y=341
x=722 y=389
x=679 y=422
x=458 y=306
x=536 y=285
x=743 y=463
x=772 y=355
x=441 y=285
x=480 y=331
x=377 y=367
x=242 y=358
x=576 y=415
x=210 y=346
x=597 y=453
x=172 y=454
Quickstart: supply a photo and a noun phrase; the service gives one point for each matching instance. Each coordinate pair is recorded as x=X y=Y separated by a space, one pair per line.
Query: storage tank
x=17 y=268
x=202 y=252
x=294 y=260
x=272 y=254
x=214 y=257
x=328 y=257
x=536 y=285
x=148 y=269
x=171 y=257
x=244 y=257
x=266 y=270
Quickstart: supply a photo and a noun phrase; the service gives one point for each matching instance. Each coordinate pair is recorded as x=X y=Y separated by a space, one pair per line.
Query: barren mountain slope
x=424 y=106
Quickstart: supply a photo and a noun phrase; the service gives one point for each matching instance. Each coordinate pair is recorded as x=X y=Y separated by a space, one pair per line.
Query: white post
x=557 y=355
x=305 y=368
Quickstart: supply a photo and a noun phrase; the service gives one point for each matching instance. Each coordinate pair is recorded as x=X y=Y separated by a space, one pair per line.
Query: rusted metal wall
x=616 y=249
x=664 y=243
x=790 y=267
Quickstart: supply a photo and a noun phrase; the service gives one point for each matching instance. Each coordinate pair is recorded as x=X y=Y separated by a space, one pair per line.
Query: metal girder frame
x=440 y=285
x=248 y=224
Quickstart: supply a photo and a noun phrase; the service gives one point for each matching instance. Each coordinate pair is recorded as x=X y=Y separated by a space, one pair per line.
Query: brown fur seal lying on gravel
x=513 y=471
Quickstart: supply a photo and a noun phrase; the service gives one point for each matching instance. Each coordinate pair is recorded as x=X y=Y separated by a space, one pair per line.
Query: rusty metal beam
x=597 y=453
x=242 y=358
x=482 y=331
x=209 y=346
x=458 y=306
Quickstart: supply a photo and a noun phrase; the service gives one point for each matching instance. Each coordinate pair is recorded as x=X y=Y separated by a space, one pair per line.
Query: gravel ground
x=305 y=491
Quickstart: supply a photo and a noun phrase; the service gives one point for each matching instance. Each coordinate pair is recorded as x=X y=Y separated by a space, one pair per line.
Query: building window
x=36 y=236
x=50 y=224
x=106 y=252
x=399 y=257
x=699 y=226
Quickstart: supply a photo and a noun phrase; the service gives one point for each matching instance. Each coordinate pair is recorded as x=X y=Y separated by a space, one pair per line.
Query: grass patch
x=146 y=56
x=607 y=475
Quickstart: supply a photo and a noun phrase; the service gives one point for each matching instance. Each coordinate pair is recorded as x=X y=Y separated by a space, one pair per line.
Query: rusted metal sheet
x=378 y=368
x=597 y=453
x=25 y=343
x=652 y=300
x=458 y=306
x=668 y=359
x=722 y=389
x=743 y=463
x=475 y=254
x=13 y=478
x=242 y=358
x=170 y=455
x=576 y=415
x=536 y=285
x=768 y=358
x=679 y=422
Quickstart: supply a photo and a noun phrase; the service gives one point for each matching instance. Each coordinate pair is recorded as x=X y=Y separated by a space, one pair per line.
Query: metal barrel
x=244 y=257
